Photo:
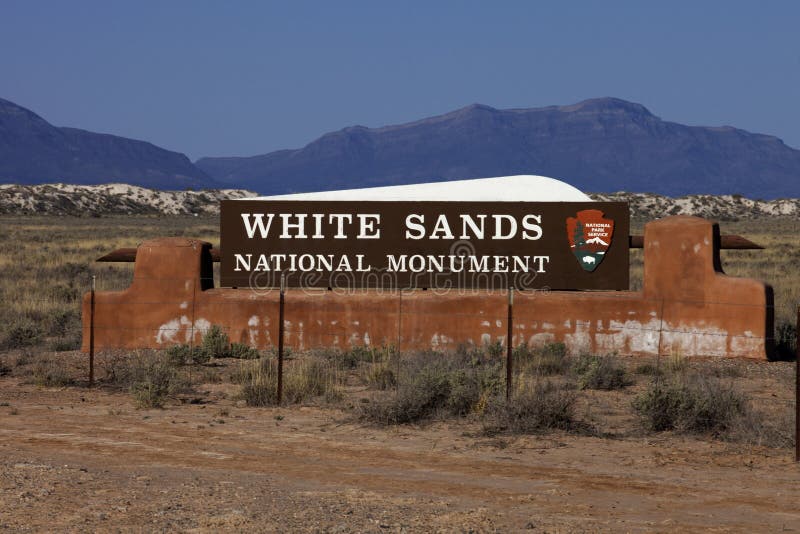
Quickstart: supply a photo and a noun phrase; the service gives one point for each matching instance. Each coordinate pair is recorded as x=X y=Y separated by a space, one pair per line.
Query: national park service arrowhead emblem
x=589 y=236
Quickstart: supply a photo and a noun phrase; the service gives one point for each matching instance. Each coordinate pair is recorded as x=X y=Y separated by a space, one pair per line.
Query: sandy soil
x=75 y=459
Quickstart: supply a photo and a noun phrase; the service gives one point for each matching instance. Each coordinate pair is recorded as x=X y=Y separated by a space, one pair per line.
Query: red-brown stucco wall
x=687 y=306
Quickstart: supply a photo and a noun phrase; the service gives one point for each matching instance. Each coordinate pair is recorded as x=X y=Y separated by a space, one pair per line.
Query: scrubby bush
x=600 y=372
x=152 y=380
x=692 y=405
x=150 y=376
x=547 y=360
x=215 y=344
x=535 y=407
x=52 y=373
x=242 y=351
x=63 y=323
x=438 y=387
x=178 y=355
x=23 y=332
x=302 y=381
x=649 y=369
x=67 y=343
x=381 y=377
x=353 y=357
x=494 y=349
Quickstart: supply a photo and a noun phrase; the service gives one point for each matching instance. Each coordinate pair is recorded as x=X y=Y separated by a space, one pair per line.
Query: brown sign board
x=438 y=245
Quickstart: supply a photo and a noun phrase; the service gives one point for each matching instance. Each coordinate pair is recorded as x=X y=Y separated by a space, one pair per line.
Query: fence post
x=91 y=333
x=280 y=341
x=797 y=388
x=509 y=344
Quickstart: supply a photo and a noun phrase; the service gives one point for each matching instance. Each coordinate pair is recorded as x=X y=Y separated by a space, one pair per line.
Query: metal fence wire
x=505 y=362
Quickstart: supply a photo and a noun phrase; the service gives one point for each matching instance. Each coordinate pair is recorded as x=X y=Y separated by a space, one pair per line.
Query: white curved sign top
x=520 y=188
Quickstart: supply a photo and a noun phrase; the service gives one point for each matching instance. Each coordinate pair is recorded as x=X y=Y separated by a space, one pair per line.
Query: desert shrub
x=70 y=342
x=52 y=373
x=650 y=369
x=63 y=323
x=259 y=383
x=600 y=372
x=549 y=359
x=676 y=363
x=427 y=388
x=244 y=352
x=302 y=380
x=178 y=355
x=494 y=349
x=307 y=379
x=215 y=344
x=535 y=407
x=417 y=399
x=23 y=332
x=523 y=352
x=353 y=357
x=381 y=377
x=150 y=376
x=694 y=406
x=152 y=380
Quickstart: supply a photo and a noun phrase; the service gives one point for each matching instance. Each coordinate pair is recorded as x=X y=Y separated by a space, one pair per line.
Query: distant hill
x=110 y=199
x=123 y=199
x=605 y=144
x=34 y=151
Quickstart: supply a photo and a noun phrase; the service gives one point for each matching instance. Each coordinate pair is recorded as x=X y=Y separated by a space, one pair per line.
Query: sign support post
x=91 y=333
x=509 y=344
x=280 y=341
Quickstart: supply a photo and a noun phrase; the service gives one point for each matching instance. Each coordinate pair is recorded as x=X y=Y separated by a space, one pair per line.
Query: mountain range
x=33 y=151
x=603 y=144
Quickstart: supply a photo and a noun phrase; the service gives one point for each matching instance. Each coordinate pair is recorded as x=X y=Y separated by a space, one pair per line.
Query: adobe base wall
x=687 y=306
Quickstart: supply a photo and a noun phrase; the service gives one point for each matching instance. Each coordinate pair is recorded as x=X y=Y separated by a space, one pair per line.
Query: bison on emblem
x=589 y=236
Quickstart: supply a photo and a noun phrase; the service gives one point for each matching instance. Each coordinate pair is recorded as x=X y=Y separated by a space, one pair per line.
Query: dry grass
x=48 y=264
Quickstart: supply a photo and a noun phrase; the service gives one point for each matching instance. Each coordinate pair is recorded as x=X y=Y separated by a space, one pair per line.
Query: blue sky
x=244 y=78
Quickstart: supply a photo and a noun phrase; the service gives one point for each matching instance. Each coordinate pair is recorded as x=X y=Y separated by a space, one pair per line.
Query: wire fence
x=466 y=348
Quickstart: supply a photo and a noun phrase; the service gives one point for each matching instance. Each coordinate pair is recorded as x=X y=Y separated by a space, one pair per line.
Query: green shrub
x=215 y=344
x=381 y=377
x=153 y=379
x=414 y=401
x=600 y=372
x=495 y=349
x=178 y=355
x=649 y=369
x=693 y=406
x=52 y=373
x=22 y=333
x=439 y=387
x=302 y=380
x=356 y=355
x=534 y=408
x=244 y=352
x=63 y=323
x=549 y=359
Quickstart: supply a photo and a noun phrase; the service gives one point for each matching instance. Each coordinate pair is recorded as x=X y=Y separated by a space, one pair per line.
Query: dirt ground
x=79 y=459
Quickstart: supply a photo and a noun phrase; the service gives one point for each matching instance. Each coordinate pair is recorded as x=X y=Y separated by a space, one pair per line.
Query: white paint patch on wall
x=169 y=332
x=252 y=330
